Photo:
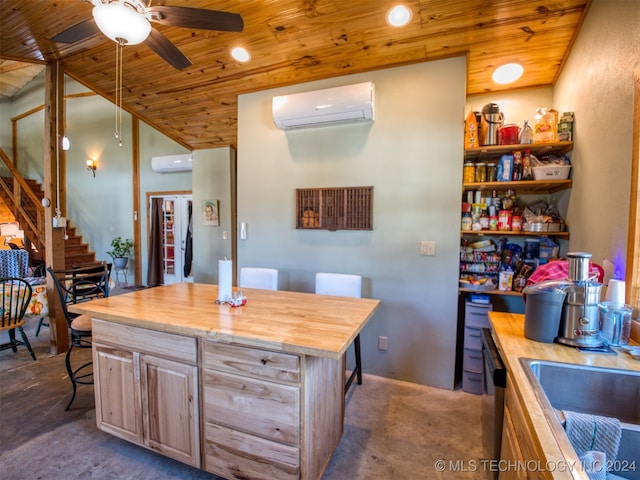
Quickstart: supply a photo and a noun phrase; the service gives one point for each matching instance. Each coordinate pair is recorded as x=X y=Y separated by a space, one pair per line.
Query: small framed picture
x=210 y=216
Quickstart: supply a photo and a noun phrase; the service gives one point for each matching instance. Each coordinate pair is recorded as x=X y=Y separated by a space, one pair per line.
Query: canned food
x=492 y=172
x=481 y=172
x=516 y=223
x=468 y=173
x=504 y=220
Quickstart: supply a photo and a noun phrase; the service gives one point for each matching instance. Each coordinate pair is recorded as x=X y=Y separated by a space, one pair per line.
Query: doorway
x=177 y=240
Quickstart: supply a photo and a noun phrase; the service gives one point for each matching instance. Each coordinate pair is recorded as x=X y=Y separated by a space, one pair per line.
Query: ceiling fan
x=128 y=22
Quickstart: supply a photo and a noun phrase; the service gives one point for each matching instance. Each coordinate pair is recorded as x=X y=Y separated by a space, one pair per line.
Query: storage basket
x=551 y=172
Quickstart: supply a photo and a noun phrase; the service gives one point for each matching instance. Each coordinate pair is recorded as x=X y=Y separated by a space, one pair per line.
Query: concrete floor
x=393 y=430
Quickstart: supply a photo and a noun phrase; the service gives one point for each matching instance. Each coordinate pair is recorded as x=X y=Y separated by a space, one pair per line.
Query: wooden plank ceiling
x=291 y=41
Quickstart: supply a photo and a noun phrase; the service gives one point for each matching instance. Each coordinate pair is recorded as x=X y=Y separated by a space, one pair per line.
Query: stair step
x=73 y=260
x=76 y=249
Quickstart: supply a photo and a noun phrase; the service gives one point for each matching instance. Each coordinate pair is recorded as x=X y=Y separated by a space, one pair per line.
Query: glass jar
x=481 y=172
x=492 y=172
x=468 y=173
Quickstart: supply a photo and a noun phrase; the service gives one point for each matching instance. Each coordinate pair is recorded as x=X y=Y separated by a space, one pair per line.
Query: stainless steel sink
x=594 y=390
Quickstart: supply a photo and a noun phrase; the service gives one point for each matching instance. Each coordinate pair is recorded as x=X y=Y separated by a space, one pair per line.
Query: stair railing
x=25 y=206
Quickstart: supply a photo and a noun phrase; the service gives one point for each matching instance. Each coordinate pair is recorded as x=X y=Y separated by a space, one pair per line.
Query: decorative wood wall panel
x=343 y=208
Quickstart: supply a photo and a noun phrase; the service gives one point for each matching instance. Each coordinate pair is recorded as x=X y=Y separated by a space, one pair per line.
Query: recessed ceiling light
x=398 y=16
x=240 y=54
x=507 y=73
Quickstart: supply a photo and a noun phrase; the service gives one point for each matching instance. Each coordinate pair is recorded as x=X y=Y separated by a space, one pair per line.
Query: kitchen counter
x=255 y=391
x=293 y=322
x=508 y=333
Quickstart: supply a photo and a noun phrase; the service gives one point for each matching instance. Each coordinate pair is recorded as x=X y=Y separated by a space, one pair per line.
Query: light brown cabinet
x=255 y=422
x=146 y=389
x=520 y=458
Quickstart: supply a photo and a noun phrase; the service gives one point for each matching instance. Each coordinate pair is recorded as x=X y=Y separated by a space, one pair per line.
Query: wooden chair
x=78 y=285
x=264 y=278
x=16 y=295
x=343 y=285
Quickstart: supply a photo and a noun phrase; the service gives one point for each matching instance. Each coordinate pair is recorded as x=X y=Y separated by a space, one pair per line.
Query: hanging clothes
x=155 y=273
x=188 y=249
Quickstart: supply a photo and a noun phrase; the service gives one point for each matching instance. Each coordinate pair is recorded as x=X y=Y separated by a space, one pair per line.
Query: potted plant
x=120 y=251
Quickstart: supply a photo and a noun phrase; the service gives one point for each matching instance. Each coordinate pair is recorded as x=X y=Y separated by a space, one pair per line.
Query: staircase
x=23 y=198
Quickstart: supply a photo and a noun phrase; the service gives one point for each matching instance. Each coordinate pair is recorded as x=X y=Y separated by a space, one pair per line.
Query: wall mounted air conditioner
x=171 y=163
x=331 y=106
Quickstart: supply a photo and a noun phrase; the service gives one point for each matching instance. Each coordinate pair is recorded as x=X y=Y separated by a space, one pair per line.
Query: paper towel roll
x=224 y=280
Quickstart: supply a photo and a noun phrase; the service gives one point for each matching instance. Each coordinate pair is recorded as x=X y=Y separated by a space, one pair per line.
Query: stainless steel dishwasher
x=493 y=402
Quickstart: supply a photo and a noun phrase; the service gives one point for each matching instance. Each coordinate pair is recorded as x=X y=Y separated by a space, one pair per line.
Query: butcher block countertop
x=508 y=333
x=293 y=322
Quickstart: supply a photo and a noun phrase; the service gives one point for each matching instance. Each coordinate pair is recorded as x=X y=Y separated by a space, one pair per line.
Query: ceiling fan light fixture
x=399 y=16
x=121 y=23
x=507 y=73
x=240 y=54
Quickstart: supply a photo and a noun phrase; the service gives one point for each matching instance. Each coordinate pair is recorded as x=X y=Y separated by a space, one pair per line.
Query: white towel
x=595 y=465
x=593 y=433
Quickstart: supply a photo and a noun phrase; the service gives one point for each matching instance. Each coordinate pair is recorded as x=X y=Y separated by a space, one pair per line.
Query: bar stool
x=264 y=278
x=78 y=285
x=343 y=285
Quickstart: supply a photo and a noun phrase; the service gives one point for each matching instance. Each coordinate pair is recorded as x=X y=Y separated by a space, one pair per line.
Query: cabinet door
x=170 y=397
x=117 y=392
x=510 y=453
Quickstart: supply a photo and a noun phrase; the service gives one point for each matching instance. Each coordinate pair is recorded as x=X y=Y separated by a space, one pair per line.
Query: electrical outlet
x=383 y=343
x=427 y=247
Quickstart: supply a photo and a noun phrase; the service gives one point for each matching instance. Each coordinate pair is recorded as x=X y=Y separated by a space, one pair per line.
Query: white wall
x=597 y=84
x=412 y=155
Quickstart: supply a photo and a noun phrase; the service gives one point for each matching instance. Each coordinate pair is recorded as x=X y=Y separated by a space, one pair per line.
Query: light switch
x=427 y=247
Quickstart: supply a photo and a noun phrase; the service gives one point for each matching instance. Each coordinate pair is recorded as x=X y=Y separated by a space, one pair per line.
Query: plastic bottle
x=527 y=173
x=526 y=134
x=466 y=221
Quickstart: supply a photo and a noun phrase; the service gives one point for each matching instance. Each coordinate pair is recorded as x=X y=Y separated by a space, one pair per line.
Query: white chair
x=343 y=285
x=264 y=278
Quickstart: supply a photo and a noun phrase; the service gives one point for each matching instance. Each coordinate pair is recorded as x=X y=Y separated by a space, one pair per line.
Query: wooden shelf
x=498 y=233
x=491 y=292
x=525 y=187
x=538 y=149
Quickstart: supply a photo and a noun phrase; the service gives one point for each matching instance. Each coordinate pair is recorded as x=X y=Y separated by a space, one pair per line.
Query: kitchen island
x=243 y=392
x=531 y=447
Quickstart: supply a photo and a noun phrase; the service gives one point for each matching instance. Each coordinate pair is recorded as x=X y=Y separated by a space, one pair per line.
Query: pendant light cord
x=119 y=70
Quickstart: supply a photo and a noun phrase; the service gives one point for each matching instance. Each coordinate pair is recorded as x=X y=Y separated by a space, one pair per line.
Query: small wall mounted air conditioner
x=331 y=106
x=172 y=163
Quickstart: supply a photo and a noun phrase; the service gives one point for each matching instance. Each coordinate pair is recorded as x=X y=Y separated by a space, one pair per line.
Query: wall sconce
x=91 y=166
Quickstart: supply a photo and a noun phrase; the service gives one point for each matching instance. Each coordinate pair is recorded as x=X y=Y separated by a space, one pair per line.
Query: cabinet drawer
x=472 y=360
x=477 y=315
x=270 y=410
x=251 y=361
x=233 y=454
x=473 y=382
x=472 y=338
x=167 y=345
